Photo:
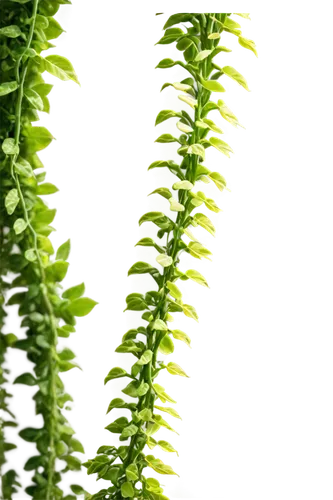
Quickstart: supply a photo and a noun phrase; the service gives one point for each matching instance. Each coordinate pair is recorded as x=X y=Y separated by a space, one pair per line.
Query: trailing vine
x=33 y=269
x=124 y=465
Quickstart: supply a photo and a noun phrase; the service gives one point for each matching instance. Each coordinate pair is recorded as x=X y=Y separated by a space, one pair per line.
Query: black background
x=101 y=165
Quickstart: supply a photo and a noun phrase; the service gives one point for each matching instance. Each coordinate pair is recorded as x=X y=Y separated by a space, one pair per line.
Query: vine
x=183 y=200
x=33 y=268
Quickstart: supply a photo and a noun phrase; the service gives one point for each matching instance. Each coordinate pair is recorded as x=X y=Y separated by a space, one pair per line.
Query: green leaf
x=185 y=129
x=26 y=379
x=112 y=475
x=11 y=31
x=129 y=431
x=158 y=466
x=53 y=30
x=165 y=40
x=9 y=147
x=136 y=302
x=152 y=483
x=227 y=114
x=116 y=403
x=204 y=222
x=245 y=16
x=60 y=67
x=115 y=373
x=132 y=472
x=57 y=270
x=65 y=331
x=196 y=276
x=197 y=250
x=112 y=428
x=202 y=55
x=11 y=201
x=146 y=415
x=146 y=241
x=41 y=22
x=186 y=185
x=145 y=358
x=66 y=354
x=38 y=138
x=127 y=346
x=237 y=76
x=63 y=251
x=222 y=146
x=160 y=391
x=30 y=255
x=181 y=335
x=150 y=216
x=10 y=340
x=166 y=446
x=76 y=445
x=219 y=180
x=136 y=389
x=74 y=292
x=66 y=401
x=197 y=149
x=82 y=306
x=7 y=88
x=69 y=463
x=212 y=85
x=36 y=317
x=46 y=188
x=157 y=218
x=162 y=423
x=166 y=345
x=43 y=89
x=138 y=267
x=175 y=369
x=214 y=36
x=42 y=342
x=45 y=216
x=165 y=192
x=127 y=490
x=142 y=389
x=171 y=165
x=166 y=138
x=170 y=412
x=19 y=226
x=34 y=99
x=160 y=325
x=166 y=63
x=23 y=167
x=191 y=312
x=177 y=18
x=211 y=125
x=164 y=260
x=34 y=463
x=219 y=49
x=208 y=108
x=185 y=43
x=165 y=115
x=174 y=290
x=188 y=99
x=175 y=206
x=78 y=490
x=65 y=366
x=248 y=44
x=30 y=434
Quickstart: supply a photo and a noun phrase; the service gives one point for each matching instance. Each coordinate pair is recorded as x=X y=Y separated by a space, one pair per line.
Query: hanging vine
x=32 y=269
x=183 y=200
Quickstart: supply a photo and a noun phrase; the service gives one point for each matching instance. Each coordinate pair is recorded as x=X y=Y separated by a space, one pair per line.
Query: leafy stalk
x=26 y=250
x=124 y=465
